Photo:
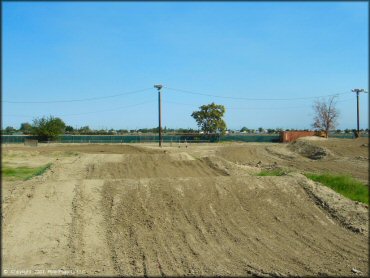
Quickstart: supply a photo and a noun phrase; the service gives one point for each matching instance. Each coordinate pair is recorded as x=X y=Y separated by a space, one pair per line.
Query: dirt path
x=123 y=210
x=35 y=222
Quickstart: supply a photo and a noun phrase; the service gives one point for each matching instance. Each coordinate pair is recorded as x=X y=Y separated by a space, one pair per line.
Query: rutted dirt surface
x=340 y=156
x=153 y=166
x=137 y=210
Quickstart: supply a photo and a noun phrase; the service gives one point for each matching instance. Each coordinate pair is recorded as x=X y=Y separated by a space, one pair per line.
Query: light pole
x=358 y=91
x=159 y=87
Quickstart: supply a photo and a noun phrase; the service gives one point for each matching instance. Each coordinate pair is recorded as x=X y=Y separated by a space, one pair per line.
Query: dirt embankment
x=152 y=166
x=225 y=226
x=337 y=156
x=123 y=210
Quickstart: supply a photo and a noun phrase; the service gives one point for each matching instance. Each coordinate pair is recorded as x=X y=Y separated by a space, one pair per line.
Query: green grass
x=274 y=172
x=23 y=173
x=343 y=184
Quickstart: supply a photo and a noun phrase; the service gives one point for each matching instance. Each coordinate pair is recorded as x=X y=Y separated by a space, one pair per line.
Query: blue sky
x=282 y=50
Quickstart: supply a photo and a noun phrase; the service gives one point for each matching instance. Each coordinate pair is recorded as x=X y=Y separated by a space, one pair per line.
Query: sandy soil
x=196 y=210
x=341 y=156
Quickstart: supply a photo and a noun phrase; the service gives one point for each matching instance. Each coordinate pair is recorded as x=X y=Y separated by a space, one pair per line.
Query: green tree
x=69 y=129
x=48 y=128
x=85 y=129
x=244 y=129
x=209 y=118
x=10 y=130
x=26 y=128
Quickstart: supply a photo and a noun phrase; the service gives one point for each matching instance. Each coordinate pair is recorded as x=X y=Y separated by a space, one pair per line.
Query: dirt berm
x=173 y=213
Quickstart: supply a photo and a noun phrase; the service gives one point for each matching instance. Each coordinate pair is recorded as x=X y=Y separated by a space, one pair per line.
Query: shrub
x=48 y=128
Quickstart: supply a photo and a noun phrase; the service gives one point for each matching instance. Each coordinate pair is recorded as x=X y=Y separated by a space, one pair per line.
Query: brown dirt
x=341 y=156
x=137 y=210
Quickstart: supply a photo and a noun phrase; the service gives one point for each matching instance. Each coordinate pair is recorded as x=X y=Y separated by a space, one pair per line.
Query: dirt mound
x=342 y=156
x=352 y=215
x=309 y=150
x=245 y=154
x=224 y=226
x=156 y=165
x=83 y=148
x=126 y=211
x=181 y=156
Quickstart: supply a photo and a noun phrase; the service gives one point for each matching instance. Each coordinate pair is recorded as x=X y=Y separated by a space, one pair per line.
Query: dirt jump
x=197 y=210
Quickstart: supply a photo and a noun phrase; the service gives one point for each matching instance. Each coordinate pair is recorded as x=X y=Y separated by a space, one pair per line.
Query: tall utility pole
x=159 y=87
x=358 y=91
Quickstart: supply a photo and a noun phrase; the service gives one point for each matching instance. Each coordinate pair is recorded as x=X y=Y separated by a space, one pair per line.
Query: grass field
x=23 y=173
x=343 y=184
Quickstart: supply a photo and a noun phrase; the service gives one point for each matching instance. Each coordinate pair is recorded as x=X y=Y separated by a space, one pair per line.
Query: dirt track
x=129 y=210
x=344 y=156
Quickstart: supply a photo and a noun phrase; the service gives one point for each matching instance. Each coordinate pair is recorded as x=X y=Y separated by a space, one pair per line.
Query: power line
x=173 y=102
x=92 y=112
x=108 y=110
x=80 y=100
x=255 y=108
x=252 y=99
x=169 y=88
x=242 y=108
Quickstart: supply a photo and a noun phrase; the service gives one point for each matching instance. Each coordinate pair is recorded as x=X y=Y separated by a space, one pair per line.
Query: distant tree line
x=209 y=119
x=49 y=128
x=26 y=129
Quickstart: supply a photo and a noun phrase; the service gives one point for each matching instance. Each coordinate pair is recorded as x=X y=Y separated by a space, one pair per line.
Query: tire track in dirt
x=40 y=211
x=44 y=219
x=344 y=156
x=75 y=239
x=351 y=215
x=152 y=166
x=152 y=211
x=87 y=238
x=61 y=216
x=162 y=214
x=107 y=206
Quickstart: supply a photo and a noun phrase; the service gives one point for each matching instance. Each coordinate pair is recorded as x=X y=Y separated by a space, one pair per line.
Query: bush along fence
x=192 y=138
x=186 y=138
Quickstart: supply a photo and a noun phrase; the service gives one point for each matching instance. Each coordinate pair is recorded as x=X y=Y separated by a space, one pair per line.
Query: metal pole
x=358 y=114
x=160 y=117
x=358 y=91
x=159 y=87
